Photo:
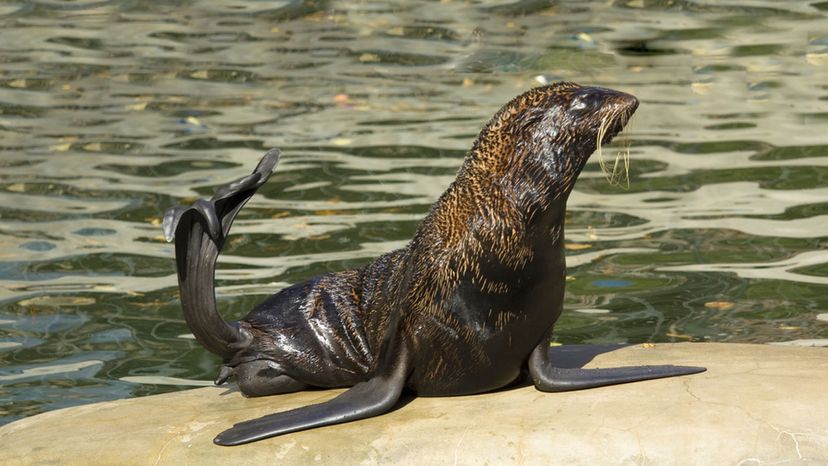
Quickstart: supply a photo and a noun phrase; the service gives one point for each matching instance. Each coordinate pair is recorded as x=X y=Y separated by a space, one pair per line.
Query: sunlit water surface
x=112 y=111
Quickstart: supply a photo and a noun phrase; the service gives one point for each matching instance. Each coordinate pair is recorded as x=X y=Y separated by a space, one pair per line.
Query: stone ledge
x=755 y=405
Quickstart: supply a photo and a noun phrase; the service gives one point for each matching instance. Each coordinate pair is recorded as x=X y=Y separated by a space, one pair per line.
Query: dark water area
x=112 y=111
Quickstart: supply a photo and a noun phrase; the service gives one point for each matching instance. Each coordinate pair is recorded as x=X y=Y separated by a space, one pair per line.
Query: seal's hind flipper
x=373 y=397
x=199 y=231
x=219 y=212
x=548 y=378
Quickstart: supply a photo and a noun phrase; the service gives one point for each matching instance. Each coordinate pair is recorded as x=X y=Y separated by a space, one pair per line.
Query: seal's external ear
x=373 y=397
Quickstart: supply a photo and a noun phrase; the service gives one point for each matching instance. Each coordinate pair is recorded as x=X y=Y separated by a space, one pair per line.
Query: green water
x=112 y=111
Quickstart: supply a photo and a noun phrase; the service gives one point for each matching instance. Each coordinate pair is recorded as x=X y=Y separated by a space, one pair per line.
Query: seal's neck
x=534 y=173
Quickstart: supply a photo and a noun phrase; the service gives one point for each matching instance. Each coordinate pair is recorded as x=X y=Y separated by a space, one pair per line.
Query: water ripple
x=111 y=112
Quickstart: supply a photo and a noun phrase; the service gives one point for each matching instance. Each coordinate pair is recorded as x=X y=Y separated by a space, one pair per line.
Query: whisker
x=624 y=152
x=602 y=130
x=617 y=175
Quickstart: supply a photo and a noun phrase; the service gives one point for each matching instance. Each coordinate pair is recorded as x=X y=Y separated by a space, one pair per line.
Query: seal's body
x=464 y=308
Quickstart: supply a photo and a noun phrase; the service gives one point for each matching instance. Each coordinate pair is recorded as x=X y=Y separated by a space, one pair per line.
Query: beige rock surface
x=755 y=405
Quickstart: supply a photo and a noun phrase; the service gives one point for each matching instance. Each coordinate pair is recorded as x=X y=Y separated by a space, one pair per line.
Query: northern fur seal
x=464 y=308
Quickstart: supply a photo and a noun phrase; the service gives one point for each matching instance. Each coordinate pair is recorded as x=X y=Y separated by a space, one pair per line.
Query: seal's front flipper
x=548 y=378
x=373 y=397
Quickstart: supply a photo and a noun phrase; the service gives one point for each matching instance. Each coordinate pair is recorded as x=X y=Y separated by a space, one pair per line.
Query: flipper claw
x=225 y=373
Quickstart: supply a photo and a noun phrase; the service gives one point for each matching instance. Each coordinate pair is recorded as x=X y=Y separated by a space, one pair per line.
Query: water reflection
x=112 y=111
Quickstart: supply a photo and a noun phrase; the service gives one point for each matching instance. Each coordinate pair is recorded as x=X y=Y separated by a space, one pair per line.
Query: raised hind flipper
x=226 y=202
x=548 y=378
x=372 y=397
x=199 y=231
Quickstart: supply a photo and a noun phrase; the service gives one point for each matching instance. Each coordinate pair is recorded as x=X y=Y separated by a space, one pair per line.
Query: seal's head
x=551 y=131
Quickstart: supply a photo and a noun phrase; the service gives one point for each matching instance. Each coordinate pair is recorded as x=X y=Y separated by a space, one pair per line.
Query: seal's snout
x=628 y=104
x=630 y=101
x=613 y=99
x=612 y=111
x=599 y=101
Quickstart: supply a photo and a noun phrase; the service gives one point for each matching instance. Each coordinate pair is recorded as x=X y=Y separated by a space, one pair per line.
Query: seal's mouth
x=616 y=118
